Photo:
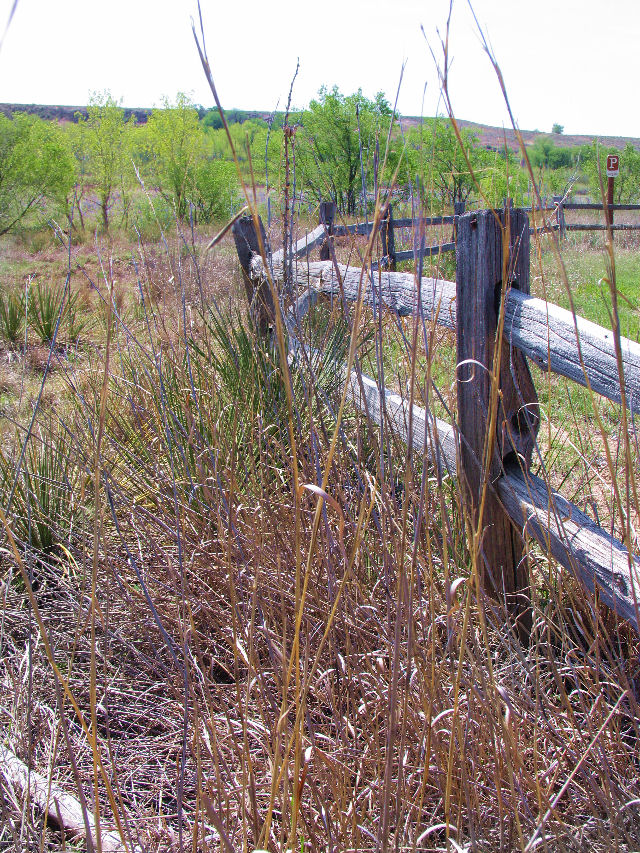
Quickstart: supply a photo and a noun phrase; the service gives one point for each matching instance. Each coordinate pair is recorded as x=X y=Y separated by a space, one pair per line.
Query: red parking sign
x=613 y=165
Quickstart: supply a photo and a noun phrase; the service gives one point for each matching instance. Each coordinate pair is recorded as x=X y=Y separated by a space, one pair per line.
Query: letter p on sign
x=613 y=165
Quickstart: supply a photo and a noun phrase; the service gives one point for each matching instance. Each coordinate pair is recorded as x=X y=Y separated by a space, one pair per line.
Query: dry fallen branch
x=61 y=807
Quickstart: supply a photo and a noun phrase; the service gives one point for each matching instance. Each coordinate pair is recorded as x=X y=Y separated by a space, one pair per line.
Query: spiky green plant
x=11 y=317
x=42 y=500
x=77 y=319
x=252 y=381
x=45 y=301
x=46 y=305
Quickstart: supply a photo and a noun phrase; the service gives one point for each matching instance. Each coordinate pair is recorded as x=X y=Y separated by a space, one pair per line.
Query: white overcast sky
x=576 y=62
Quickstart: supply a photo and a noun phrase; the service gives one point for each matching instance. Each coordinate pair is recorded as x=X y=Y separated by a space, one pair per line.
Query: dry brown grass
x=254 y=674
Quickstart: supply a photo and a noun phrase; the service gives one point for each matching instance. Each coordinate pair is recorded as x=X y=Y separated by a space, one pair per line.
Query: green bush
x=36 y=169
x=216 y=190
x=150 y=218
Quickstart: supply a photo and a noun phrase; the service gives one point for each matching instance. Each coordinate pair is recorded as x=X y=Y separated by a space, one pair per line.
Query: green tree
x=501 y=177
x=188 y=165
x=552 y=165
x=455 y=170
x=545 y=154
x=36 y=168
x=557 y=128
x=215 y=193
x=219 y=147
x=104 y=135
x=274 y=153
x=435 y=154
x=626 y=187
x=335 y=130
x=176 y=147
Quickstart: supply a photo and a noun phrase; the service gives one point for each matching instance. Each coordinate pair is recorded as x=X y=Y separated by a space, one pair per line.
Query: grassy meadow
x=237 y=615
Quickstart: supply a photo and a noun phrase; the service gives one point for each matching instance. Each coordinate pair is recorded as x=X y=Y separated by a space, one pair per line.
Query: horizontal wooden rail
x=362 y=229
x=304 y=245
x=428 y=251
x=560 y=527
x=393 y=290
x=572 y=347
x=426 y=221
x=549 y=335
x=577 y=543
x=575 y=226
x=573 y=205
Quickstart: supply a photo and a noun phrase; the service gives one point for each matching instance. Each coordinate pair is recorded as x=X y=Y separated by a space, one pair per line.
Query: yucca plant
x=11 y=317
x=252 y=381
x=45 y=300
x=44 y=501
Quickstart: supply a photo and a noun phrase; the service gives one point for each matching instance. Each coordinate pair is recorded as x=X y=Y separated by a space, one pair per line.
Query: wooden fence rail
x=328 y=228
x=553 y=337
x=558 y=207
x=607 y=209
x=484 y=311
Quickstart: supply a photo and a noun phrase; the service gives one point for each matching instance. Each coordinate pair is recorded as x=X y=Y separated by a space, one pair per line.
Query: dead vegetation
x=207 y=662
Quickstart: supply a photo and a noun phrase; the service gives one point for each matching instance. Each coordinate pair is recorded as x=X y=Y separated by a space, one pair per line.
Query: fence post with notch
x=558 y=202
x=249 y=242
x=498 y=414
x=327 y=218
x=388 y=240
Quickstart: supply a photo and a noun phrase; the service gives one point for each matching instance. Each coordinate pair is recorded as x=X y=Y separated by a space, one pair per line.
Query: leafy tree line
x=47 y=169
x=169 y=155
x=582 y=168
x=341 y=147
x=36 y=168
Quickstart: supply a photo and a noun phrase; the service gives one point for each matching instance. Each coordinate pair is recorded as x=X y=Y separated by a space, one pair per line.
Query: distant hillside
x=494 y=137
x=490 y=137
x=54 y=112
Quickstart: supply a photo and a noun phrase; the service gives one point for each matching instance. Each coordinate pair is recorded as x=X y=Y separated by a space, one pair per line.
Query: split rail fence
x=609 y=211
x=390 y=226
x=498 y=326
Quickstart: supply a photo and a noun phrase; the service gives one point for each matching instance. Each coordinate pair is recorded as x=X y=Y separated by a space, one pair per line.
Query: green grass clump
x=12 y=317
x=52 y=306
x=43 y=499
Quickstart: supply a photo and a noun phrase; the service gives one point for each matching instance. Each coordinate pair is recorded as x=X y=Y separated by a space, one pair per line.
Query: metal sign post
x=613 y=168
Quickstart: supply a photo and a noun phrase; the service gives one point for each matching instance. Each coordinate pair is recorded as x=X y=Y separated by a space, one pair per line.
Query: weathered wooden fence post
x=497 y=423
x=458 y=211
x=388 y=239
x=327 y=218
x=259 y=295
x=557 y=200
